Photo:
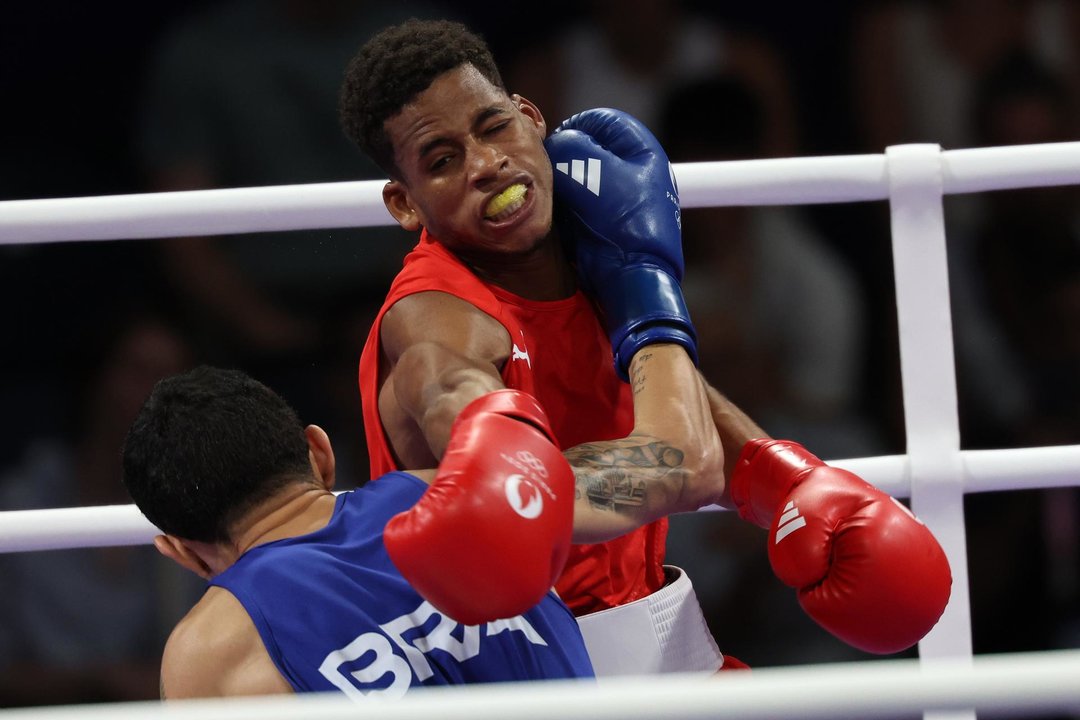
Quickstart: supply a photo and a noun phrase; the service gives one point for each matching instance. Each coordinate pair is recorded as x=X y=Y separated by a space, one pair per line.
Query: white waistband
x=662 y=633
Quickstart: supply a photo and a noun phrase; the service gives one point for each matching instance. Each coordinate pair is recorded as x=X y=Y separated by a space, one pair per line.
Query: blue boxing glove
x=616 y=200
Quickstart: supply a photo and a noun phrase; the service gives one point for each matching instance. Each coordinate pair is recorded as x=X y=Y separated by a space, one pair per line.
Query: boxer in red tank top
x=561 y=355
x=490 y=299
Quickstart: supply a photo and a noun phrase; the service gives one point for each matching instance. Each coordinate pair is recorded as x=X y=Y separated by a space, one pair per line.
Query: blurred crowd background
x=795 y=305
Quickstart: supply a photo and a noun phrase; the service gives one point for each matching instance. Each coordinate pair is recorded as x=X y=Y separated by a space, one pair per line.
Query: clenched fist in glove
x=490 y=536
x=865 y=568
x=616 y=200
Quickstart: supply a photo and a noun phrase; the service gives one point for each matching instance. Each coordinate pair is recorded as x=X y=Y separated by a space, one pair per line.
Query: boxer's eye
x=440 y=162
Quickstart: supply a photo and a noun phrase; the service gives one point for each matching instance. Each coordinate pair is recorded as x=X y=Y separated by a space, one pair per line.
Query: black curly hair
x=207 y=447
x=395 y=66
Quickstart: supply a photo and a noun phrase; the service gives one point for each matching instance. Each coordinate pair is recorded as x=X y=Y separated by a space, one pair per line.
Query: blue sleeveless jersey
x=334 y=612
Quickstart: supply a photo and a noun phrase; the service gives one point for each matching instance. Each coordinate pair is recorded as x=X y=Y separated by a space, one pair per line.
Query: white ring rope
x=985 y=471
x=947 y=681
x=1013 y=685
x=789 y=181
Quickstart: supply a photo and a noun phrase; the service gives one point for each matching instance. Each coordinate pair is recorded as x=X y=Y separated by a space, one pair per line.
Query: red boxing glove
x=866 y=569
x=490 y=536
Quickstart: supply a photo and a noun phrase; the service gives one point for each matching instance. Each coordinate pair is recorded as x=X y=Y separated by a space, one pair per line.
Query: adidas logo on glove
x=584 y=172
x=789 y=522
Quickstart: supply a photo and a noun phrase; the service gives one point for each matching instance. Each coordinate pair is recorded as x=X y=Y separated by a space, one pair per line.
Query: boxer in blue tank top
x=303 y=595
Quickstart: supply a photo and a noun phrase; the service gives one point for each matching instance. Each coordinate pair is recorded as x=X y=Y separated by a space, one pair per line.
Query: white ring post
x=928 y=376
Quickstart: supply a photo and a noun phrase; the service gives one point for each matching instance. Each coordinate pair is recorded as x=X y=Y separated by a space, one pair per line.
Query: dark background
x=73 y=81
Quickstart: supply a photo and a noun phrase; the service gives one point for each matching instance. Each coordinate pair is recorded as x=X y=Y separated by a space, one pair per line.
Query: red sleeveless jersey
x=562 y=356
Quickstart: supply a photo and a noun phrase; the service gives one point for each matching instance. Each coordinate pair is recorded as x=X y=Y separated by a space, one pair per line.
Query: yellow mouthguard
x=505 y=199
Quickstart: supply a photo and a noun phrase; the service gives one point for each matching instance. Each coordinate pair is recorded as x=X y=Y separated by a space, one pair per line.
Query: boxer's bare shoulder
x=215 y=651
x=439 y=353
x=440 y=319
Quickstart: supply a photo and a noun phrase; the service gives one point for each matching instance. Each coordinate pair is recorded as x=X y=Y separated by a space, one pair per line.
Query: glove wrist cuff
x=765 y=473
x=650 y=335
x=644 y=304
x=511 y=403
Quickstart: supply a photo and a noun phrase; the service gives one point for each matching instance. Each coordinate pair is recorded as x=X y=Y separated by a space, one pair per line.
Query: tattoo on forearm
x=617 y=475
x=161 y=686
x=641 y=361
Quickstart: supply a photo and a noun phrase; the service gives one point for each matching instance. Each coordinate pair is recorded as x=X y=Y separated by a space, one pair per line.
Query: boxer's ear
x=183 y=555
x=320 y=455
x=396 y=198
x=527 y=108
